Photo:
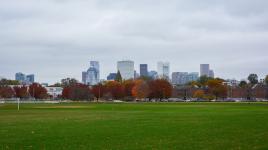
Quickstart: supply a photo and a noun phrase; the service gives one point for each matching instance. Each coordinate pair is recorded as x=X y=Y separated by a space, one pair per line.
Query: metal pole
x=18 y=104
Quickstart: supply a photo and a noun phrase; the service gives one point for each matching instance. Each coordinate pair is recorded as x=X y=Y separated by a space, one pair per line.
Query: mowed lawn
x=207 y=126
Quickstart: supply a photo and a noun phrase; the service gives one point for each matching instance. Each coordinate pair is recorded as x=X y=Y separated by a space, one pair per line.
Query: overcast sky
x=55 y=39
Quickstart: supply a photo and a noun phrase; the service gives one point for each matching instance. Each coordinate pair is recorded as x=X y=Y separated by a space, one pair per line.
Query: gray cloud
x=57 y=38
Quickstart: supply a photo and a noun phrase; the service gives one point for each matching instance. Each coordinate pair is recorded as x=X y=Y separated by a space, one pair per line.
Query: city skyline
x=103 y=75
x=230 y=35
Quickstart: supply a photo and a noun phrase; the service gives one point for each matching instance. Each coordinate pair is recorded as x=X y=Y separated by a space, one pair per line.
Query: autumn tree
x=6 y=92
x=98 y=90
x=115 y=89
x=21 y=92
x=141 y=89
x=38 y=91
x=217 y=88
x=159 y=89
x=128 y=86
x=77 y=92
x=266 y=83
x=199 y=94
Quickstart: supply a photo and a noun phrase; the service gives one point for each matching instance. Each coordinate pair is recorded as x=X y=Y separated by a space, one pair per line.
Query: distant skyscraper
x=30 y=78
x=84 y=77
x=179 y=78
x=204 y=70
x=126 y=69
x=96 y=65
x=111 y=76
x=152 y=74
x=20 y=77
x=24 y=79
x=163 y=70
x=92 y=75
x=144 y=70
x=211 y=73
x=193 y=76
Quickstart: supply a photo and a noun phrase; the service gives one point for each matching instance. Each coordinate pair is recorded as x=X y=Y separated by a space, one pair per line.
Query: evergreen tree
x=118 y=77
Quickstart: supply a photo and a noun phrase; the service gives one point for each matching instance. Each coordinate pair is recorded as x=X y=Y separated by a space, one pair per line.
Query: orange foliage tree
x=141 y=89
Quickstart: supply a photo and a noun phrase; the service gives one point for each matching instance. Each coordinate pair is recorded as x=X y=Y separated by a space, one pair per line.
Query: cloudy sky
x=57 y=38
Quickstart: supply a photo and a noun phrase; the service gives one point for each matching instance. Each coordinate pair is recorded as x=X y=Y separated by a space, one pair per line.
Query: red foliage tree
x=77 y=92
x=160 y=89
x=21 y=92
x=115 y=89
x=98 y=91
x=6 y=92
x=37 y=91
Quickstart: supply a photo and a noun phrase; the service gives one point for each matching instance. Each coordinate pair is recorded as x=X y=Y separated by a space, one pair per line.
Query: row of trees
x=33 y=91
x=127 y=90
x=210 y=88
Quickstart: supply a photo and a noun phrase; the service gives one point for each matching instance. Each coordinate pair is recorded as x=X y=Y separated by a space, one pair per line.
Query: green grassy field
x=208 y=126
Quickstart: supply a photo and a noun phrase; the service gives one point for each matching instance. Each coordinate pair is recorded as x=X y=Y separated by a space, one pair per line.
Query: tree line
x=205 y=88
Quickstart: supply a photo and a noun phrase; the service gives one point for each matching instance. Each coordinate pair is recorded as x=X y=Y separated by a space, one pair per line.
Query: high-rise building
x=30 y=78
x=96 y=65
x=179 y=78
x=126 y=69
x=92 y=75
x=163 y=70
x=193 y=76
x=211 y=73
x=24 y=79
x=84 y=77
x=144 y=70
x=204 y=70
x=20 y=77
x=152 y=74
x=111 y=76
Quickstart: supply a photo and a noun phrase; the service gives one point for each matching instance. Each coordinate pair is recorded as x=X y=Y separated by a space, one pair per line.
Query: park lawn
x=207 y=126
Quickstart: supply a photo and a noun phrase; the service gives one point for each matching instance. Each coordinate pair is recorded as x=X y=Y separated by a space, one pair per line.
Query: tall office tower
x=92 y=75
x=143 y=70
x=193 y=76
x=163 y=70
x=20 y=77
x=30 y=78
x=204 y=70
x=84 y=77
x=96 y=65
x=211 y=73
x=126 y=69
x=179 y=78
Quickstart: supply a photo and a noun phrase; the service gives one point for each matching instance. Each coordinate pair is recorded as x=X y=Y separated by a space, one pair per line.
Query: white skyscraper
x=126 y=69
x=204 y=70
x=163 y=69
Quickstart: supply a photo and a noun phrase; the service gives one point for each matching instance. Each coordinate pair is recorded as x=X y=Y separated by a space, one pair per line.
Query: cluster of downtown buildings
x=127 y=71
